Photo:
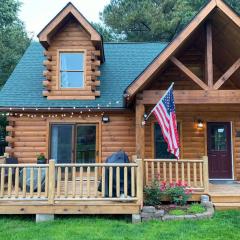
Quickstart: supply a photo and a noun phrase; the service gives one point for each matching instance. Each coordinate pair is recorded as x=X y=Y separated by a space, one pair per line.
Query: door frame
x=231 y=144
x=97 y=122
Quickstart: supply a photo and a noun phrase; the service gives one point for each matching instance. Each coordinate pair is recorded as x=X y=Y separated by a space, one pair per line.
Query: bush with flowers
x=176 y=192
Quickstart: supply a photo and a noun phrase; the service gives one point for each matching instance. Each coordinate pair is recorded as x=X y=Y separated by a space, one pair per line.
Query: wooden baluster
x=9 y=182
x=125 y=181
x=201 y=174
x=96 y=182
x=31 y=181
x=152 y=173
x=66 y=183
x=164 y=172
x=133 y=181
x=59 y=177
x=146 y=172
x=81 y=182
x=24 y=181
x=74 y=182
x=176 y=171
x=110 y=181
x=183 y=171
x=205 y=174
x=16 y=182
x=88 y=181
x=46 y=181
x=103 y=182
x=194 y=175
x=158 y=171
x=39 y=182
x=118 y=181
x=170 y=172
x=2 y=181
x=188 y=174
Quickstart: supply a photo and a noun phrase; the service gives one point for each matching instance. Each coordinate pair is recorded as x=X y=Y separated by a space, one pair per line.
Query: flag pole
x=158 y=102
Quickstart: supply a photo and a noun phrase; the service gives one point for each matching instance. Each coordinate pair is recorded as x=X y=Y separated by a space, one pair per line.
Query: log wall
x=28 y=136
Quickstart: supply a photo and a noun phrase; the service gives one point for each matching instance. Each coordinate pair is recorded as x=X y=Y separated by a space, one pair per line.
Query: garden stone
x=159 y=214
x=189 y=217
x=172 y=217
x=204 y=198
x=136 y=218
x=207 y=204
x=147 y=215
x=44 y=217
x=149 y=209
x=146 y=219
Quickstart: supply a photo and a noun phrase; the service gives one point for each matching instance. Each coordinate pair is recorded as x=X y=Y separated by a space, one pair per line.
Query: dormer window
x=71 y=69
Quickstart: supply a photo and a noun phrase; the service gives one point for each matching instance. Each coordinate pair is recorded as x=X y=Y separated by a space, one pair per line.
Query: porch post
x=205 y=174
x=140 y=131
x=51 y=183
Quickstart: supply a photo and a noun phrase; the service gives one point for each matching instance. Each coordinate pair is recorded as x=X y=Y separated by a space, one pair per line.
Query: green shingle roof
x=124 y=62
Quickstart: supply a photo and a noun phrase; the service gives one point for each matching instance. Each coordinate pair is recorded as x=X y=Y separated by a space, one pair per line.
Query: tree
x=151 y=20
x=13 y=38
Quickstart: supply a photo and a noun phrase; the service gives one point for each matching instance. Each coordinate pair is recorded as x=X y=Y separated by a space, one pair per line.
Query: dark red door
x=219 y=150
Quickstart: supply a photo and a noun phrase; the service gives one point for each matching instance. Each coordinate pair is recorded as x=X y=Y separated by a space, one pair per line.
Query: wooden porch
x=74 y=188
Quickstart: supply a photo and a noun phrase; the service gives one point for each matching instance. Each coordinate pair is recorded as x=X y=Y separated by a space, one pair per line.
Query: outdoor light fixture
x=199 y=124
x=105 y=119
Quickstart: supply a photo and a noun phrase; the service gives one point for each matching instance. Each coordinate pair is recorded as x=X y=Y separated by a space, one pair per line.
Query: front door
x=219 y=150
x=72 y=143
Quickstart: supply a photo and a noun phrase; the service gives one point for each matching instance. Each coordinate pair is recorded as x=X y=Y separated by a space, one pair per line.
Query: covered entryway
x=219 y=150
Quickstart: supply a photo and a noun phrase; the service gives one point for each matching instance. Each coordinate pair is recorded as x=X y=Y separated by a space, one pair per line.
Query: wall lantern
x=199 y=124
x=105 y=119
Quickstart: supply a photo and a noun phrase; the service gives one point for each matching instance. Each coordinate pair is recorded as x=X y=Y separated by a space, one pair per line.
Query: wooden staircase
x=225 y=196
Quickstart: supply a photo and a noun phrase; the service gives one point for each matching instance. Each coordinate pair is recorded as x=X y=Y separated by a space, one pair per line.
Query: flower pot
x=41 y=161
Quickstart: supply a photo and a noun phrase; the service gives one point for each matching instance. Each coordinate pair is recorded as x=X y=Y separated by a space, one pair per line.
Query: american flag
x=165 y=114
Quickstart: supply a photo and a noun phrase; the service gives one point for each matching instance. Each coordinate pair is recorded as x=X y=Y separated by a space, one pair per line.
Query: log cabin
x=77 y=100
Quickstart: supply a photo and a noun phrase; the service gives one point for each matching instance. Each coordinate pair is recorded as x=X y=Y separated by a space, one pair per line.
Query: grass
x=224 y=225
x=177 y=212
x=193 y=209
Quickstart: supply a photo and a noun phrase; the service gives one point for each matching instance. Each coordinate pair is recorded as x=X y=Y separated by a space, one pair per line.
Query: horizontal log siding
x=28 y=136
x=193 y=140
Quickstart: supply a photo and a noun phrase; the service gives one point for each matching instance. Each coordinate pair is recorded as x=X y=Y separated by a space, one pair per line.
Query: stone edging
x=150 y=213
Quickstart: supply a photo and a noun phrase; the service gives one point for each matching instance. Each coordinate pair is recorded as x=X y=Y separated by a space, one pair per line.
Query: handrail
x=192 y=171
x=71 y=182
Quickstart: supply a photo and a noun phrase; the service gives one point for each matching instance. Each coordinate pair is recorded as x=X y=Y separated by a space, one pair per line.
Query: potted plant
x=41 y=159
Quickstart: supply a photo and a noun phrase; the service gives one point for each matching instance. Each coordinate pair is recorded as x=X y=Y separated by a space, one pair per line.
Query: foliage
x=151 y=20
x=3 y=124
x=152 y=194
x=41 y=156
x=224 y=225
x=178 y=193
x=196 y=208
x=177 y=212
x=13 y=38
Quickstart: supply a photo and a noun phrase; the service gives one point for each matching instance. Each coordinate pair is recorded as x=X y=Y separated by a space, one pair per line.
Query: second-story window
x=71 y=69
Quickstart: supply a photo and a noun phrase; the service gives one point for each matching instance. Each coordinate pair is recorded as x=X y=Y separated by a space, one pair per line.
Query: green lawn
x=225 y=225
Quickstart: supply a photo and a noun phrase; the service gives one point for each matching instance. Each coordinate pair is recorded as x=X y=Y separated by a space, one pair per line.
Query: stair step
x=227 y=206
x=225 y=198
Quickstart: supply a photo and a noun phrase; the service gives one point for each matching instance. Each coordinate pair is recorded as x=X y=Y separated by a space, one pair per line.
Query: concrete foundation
x=136 y=218
x=44 y=217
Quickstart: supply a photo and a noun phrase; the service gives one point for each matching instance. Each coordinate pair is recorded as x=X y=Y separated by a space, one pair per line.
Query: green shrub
x=196 y=208
x=177 y=193
x=177 y=212
x=152 y=194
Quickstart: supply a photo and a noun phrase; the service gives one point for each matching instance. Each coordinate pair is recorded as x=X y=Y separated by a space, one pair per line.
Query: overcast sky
x=37 y=13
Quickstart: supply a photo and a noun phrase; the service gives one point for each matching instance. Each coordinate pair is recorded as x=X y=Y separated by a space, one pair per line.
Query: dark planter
x=41 y=161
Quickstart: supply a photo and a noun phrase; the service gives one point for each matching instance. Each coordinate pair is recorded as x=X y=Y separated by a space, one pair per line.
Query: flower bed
x=177 y=195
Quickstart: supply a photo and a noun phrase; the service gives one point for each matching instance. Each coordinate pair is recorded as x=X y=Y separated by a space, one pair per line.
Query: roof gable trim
x=143 y=78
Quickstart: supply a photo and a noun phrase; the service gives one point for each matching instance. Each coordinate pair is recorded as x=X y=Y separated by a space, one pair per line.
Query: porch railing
x=63 y=182
x=193 y=172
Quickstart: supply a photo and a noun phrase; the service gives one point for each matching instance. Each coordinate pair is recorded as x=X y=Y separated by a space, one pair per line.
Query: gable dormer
x=74 y=52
